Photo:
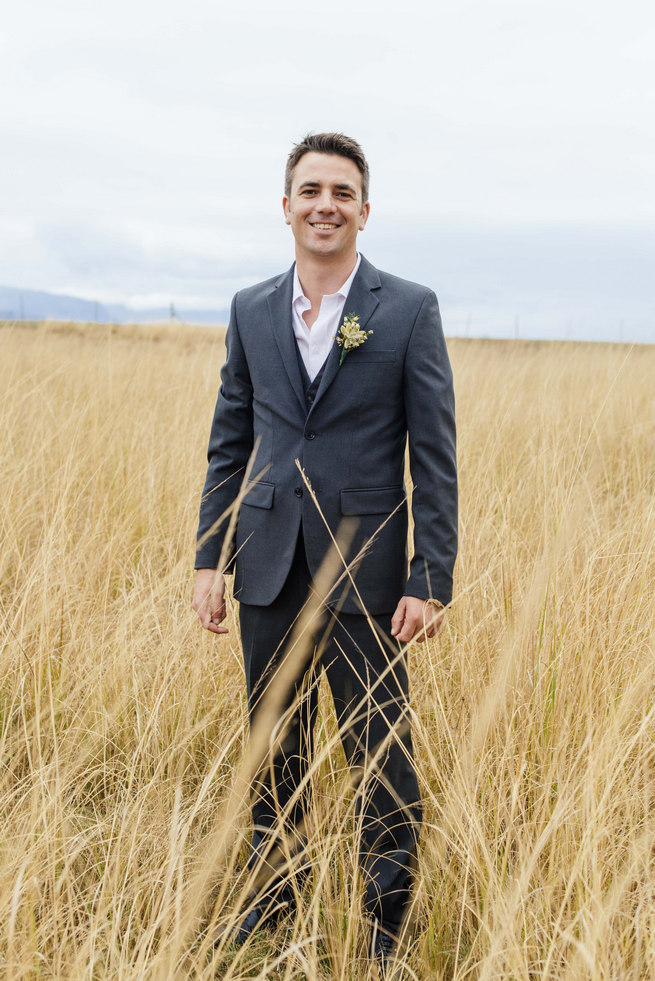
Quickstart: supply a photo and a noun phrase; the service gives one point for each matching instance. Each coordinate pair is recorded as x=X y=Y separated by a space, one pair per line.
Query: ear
x=286 y=208
x=363 y=218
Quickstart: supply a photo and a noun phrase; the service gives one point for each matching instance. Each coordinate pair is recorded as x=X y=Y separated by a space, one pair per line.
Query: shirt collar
x=342 y=291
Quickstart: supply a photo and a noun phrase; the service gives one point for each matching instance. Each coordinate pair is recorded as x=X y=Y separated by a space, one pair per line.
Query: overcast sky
x=511 y=145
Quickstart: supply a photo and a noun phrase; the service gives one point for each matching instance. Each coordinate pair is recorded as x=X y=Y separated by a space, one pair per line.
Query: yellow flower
x=350 y=335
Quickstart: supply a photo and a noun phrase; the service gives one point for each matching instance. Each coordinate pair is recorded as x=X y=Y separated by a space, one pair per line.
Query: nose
x=324 y=201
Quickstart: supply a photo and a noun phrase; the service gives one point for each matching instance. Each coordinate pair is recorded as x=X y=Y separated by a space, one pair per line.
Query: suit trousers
x=368 y=681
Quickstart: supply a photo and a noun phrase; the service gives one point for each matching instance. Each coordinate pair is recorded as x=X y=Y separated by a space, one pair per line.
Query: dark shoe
x=262 y=914
x=383 y=953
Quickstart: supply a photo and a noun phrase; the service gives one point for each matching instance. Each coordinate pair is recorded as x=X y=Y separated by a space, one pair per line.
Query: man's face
x=324 y=207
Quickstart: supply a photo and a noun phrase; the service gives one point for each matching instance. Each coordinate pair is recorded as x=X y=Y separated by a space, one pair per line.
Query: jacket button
x=310 y=435
x=297 y=491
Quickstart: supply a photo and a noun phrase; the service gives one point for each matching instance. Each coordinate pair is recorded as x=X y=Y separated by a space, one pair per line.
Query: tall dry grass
x=122 y=723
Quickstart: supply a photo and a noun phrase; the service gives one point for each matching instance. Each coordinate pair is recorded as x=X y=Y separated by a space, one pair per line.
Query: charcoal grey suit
x=349 y=432
x=351 y=444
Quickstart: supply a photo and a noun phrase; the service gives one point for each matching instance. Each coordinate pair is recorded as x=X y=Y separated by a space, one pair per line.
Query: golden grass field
x=122 y=723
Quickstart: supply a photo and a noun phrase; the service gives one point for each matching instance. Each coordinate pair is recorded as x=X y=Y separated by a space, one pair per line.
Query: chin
x=322 y=249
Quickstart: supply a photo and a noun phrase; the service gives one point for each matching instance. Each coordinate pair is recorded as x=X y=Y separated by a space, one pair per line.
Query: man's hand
x=416 y=619
x=209 y=599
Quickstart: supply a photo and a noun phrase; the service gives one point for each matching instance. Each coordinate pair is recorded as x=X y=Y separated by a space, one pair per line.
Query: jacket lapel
x=362 y=301
x=279 y=311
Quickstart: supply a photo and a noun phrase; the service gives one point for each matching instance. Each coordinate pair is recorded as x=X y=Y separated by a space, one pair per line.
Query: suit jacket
x=350 y=443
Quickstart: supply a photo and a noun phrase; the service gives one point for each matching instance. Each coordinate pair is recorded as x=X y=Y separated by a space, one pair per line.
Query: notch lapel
x=360 y=300
x=279 y=311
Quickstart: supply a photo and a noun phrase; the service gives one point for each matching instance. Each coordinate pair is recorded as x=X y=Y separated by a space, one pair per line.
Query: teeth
x=318 y=224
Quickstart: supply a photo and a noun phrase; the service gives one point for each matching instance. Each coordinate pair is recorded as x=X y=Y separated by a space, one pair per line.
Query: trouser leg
x=371 y=704
x=280 y=791
x=371 y=700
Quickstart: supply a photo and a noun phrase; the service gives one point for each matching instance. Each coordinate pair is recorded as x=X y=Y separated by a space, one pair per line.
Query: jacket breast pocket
x=379 y=356
x=260 y=495
x=371 y=500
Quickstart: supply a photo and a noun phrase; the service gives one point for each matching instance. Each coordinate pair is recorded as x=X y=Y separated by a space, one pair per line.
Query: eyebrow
x=343 y=186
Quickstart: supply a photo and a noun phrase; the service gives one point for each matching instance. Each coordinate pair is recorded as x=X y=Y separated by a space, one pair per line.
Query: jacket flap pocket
x=260 y=494
x=379 y=356
x=371 y=500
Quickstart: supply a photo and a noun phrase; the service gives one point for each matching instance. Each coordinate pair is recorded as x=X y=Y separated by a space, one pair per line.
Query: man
x=324 y=428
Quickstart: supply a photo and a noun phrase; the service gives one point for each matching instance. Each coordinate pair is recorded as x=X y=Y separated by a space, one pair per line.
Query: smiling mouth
x=323 y=224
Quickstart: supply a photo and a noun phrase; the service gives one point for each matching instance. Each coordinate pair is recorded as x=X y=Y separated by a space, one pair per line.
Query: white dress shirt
x=314 y=345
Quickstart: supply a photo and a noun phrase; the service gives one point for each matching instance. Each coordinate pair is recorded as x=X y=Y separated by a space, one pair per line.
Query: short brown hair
x=337 y=143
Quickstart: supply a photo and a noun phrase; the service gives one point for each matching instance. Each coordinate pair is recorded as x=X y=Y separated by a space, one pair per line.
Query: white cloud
x=144 y=141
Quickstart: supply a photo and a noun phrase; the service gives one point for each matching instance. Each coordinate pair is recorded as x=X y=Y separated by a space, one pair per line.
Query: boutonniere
x=351 y=335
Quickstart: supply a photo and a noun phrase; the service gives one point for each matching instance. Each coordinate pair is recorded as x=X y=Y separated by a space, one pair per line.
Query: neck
x=321 y=277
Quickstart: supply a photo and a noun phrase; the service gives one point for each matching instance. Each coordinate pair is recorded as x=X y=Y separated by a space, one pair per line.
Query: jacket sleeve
x=230 y=446
x=430 y=414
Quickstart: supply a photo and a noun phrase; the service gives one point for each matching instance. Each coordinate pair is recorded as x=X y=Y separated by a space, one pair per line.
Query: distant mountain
x=18 y=304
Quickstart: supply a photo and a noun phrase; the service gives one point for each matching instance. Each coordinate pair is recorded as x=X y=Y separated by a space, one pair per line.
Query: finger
x=398 y=619
x=204 y=615
x=437 y=623
x=423 y=630
x=209 y=615
x=217 y=598
x=215 y=628
x=429 y=626
x=218 y=611
x=410 y=628
x=429 y=630
x=211 y=622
